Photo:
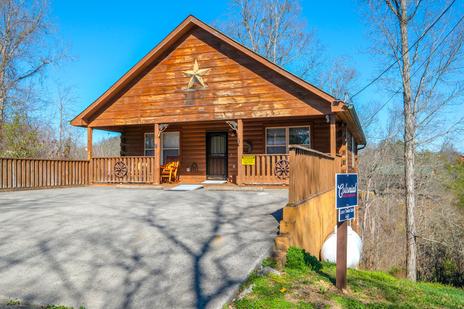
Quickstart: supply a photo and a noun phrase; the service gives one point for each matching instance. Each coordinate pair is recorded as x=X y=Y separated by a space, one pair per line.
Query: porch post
x=333 y=136
x=89 y=143
x=90 y=153
x=239 y=151
x=157 y=158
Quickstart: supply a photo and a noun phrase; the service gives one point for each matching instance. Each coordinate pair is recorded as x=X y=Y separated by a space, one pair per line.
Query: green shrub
x=13 y=302
x=313 y=262
x=298 y=259
x=269 y=262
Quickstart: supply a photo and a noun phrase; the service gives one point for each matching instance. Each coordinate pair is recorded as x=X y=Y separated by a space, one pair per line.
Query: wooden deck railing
x=264 y=170
x=42 y=173
x=311 y=172
x=122 y=170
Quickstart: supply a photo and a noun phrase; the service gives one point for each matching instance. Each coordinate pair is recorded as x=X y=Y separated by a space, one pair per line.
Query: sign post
x=346 y=198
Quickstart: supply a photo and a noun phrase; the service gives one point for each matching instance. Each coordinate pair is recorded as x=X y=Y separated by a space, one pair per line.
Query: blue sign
x=345 y=214
x=346 y=190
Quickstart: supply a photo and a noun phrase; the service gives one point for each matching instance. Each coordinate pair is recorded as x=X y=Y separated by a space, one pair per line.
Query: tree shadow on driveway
x=110 y=248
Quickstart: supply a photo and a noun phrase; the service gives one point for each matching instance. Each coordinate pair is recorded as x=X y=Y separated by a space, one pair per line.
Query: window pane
x=218 y=145
x=171 y=140
x=277 y=150
x=299 y=136
x=149 y=141
x=170 y=155
x=150 y=153
x=276 y=136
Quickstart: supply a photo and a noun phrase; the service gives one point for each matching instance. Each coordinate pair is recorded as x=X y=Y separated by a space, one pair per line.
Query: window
x=149 y=148
x=299 y=136
x=169 y=145
x=278 y=139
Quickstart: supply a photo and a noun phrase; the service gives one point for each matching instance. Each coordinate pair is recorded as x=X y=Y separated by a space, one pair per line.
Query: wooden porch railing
x=311 y=172
x=42 y=173
x=122 y=170
x=264 y=170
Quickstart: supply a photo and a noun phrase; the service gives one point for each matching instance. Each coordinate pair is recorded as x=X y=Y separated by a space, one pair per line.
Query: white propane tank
x=354 y=247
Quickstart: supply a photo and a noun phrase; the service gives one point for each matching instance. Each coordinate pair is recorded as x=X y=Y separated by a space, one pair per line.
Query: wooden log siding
x=139 y=170
x=193 y=141
x=263 y=172
x=237 y=88
x=311 y=173
x=42 y=173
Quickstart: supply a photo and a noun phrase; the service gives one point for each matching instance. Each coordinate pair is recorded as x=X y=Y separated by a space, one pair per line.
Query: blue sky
x=105 y=38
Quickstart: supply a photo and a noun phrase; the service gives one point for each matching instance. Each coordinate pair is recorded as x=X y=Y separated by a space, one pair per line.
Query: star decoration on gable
x=196 y=75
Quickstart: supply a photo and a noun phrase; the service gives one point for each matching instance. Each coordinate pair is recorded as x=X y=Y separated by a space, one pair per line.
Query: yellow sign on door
x=248 y=160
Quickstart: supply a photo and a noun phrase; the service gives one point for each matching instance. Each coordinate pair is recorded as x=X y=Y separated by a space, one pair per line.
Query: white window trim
x=145 y=149
x=287 y=136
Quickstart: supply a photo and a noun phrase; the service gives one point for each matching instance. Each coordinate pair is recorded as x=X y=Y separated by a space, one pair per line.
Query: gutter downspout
x=353 y=113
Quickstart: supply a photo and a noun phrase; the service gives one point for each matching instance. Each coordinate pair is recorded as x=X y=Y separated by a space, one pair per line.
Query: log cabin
x=221 y=110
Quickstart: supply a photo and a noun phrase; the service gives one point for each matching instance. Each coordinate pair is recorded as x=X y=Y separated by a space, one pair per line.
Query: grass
x=16 y=303
x=303 y=287
x=13 y=302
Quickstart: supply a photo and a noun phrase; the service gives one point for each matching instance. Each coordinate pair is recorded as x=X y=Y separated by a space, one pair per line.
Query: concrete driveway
x=107 y=247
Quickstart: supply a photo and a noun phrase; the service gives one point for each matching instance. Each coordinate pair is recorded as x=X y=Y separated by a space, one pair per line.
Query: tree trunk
x=409 y=148
x=2 y=118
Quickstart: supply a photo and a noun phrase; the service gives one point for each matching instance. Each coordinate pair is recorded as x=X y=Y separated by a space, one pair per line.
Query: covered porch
x=240 y=151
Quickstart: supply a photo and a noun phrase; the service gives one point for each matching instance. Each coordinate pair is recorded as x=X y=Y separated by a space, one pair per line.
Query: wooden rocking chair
x=169 y=172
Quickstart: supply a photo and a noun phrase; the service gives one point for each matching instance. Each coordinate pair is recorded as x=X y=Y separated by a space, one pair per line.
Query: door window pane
x=218 y=144
x=299 y=136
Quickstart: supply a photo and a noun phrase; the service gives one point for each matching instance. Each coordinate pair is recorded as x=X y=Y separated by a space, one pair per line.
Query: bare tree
x=23 y=55
x=427 y=73
x=339 y=79
x=65 y=141
x=275 y=30
x=108 y=147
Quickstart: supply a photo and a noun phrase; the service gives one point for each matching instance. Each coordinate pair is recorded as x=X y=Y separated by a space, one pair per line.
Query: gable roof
x=185 y=26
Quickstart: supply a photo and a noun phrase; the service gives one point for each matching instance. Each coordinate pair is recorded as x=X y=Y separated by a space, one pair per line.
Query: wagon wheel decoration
x=120 y=169
x=282 y=169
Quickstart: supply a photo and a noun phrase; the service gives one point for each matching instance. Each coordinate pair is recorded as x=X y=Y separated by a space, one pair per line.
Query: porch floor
x=212 y=187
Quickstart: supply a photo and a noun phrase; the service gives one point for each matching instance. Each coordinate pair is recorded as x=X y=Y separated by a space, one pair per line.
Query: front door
x=216 y=155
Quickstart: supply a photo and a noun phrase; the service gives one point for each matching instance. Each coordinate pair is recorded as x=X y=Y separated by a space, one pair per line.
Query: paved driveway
x=106 y=247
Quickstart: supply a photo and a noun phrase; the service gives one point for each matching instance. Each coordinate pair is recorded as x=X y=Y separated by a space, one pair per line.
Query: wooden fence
x=311 y=172
x=122 y=170
x=264 y=170
x=42 y=173
x=310 y=215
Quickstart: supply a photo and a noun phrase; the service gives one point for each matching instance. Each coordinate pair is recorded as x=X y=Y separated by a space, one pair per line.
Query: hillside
x=303 y=287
